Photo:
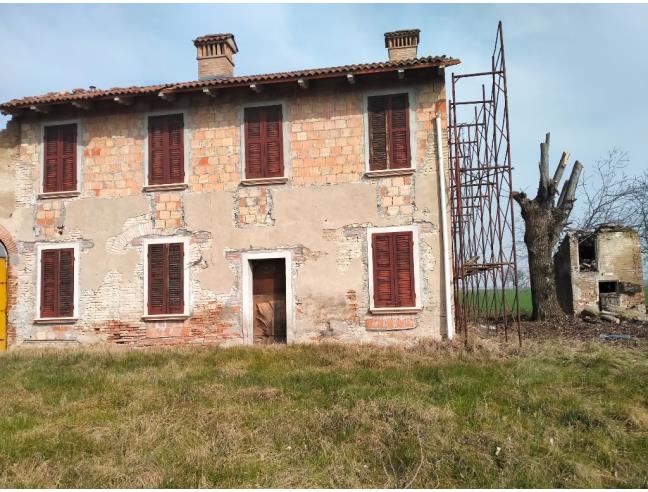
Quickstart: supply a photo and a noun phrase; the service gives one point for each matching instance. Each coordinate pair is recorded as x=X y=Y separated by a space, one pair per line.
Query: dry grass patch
x=486 y=415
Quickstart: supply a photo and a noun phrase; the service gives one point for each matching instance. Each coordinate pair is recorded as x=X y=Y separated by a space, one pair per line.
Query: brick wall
x=320 y=215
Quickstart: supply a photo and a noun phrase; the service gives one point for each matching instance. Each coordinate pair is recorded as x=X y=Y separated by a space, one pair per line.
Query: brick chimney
x=402 y=45
x=215 y=55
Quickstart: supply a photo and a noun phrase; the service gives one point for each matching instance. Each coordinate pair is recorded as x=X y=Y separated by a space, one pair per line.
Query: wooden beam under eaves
x=39 y=109
x=124 y=101
x=351 y=78
x=210 y=92
x=256 y=88
x=401 y=73
x=303 y=83
x=166 y=96
x=82 y=104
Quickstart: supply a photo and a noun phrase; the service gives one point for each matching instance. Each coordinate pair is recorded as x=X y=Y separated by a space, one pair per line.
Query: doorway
x=609 y=295
x=3 y=297
x=268 y=300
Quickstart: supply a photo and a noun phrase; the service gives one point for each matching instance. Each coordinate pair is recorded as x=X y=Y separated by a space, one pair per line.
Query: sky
x=578 y=71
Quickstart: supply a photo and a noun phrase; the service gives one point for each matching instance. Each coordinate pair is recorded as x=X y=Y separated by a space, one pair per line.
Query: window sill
x=390 y=172
x=165 y=317
x=264 y=181
x=58 y=194
x=55 y=321
x=166 y=187
x=396 y=310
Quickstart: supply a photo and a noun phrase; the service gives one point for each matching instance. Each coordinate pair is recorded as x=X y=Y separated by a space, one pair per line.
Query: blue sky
x=579 y=71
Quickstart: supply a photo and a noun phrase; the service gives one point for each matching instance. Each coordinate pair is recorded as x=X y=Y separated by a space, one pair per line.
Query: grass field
x=552 y=415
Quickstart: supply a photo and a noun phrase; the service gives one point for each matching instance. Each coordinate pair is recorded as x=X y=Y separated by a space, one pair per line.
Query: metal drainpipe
x=444 y=235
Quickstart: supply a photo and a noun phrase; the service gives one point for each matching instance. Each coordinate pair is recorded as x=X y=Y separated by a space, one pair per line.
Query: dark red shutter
x=49 y=283
x=263 y=142
x=253 y=144
x=66 y=283
x=166 y=149
x=156 y=278
x=57 y=283
x=175 y=290
x=60 y=159
x=377 y=133
x=399 y=151
x=393 y=269
x=382 y=271
x=273 y=165
x=166 y=278
x=404 y=269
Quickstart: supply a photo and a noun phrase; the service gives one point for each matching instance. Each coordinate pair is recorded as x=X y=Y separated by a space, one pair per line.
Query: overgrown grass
x=325 y=416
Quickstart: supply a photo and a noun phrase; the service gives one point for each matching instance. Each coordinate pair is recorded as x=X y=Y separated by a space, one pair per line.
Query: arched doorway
x=3 y=297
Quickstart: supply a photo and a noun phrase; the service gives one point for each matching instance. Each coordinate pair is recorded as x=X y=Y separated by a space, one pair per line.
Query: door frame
x=246 y=292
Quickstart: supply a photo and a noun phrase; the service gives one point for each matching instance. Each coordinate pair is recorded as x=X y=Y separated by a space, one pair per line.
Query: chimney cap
x=401 y=34
x=215 y=38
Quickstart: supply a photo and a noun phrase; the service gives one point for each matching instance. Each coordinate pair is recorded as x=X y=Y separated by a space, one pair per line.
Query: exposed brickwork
x=254 y=206
x=49 y=221
x=168 y=211
x=396 y=196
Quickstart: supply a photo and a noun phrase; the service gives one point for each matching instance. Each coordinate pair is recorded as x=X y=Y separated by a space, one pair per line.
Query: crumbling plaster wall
x=321 y=214
x=618 y=255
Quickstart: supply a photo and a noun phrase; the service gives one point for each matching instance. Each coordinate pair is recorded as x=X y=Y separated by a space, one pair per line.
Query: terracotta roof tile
x=357 y=69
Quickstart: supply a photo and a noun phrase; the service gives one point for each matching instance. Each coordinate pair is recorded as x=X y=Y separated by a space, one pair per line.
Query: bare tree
x=544 y=220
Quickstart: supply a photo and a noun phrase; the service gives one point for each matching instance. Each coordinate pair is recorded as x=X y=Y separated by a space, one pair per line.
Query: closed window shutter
x=393 y=270
x=253 y=143
x=49 y=283
x=166 y=278
x=66 y=283
x=263 y=142
x=404 y=269
x=60 y=166
x=57 y=283
x=273 y=167
x=378 y=133
x=156 y=279
x=389 y=146
x=382 y=270
x=175 y=270
x=399 y=155
x=166 y=149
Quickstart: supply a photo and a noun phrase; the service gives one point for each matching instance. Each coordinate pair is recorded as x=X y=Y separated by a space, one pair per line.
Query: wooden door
x=269 y=301
x=3 y=303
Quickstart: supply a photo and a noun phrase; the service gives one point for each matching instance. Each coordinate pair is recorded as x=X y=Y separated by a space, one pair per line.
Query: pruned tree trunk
x=544 y=220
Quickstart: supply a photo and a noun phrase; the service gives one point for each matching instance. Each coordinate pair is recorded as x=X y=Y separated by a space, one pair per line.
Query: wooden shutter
x=377 y=133
x=49 y=283
x=273 y=159
x=166 y=278
x=263 y=142
x=393 y=269
x=166 y=149
x=156 y=279
x=175 y=289
x=388 y=132
x=60 y=159
x=253 y=143
x=399 y=151
x=57 y=283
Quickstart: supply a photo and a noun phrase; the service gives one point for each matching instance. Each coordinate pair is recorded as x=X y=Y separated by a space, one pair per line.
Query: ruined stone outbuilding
x=287 y=207
x=600 y=268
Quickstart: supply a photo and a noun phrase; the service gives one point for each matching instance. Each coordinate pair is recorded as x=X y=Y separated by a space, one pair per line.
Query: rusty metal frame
x=483 y=223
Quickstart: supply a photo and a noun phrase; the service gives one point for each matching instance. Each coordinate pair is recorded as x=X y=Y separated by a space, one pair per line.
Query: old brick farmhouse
x=285 y=207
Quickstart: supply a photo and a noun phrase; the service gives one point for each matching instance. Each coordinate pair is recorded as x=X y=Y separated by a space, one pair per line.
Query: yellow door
x=3 y=304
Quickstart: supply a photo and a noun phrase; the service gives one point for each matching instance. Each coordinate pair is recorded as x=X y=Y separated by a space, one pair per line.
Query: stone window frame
x=80 y=147
x=186 y=278
x=417 y=270
x=40 y=247
x=246 y=292
x=413 y=127
x=186 y=142
x=285 y=137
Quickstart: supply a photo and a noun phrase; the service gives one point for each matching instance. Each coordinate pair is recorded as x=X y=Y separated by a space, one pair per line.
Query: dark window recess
x=166 y=149
x=389 y=132
x=60 y=158
x=166 y=278
x=608 y=287
x=609 y=298
x=393 y=269
x=57 y=283
x=263 y=142
x=587 y=254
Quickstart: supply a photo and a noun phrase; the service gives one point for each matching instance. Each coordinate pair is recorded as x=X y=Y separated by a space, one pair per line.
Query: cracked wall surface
x=320 y=214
